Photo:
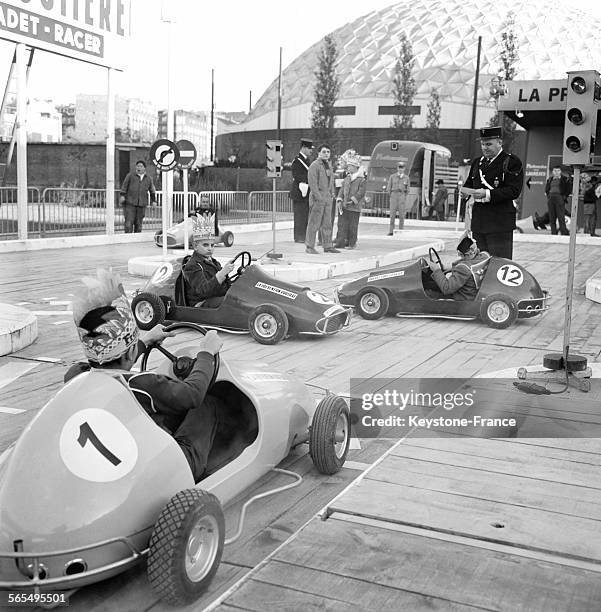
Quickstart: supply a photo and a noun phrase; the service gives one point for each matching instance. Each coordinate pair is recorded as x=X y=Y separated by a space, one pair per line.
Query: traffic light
x=580 y=125
x=274 y=158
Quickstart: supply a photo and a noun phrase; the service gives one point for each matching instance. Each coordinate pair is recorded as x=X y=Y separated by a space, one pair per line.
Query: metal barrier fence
x=378 y=205
x=9 y=215
x=68 y=211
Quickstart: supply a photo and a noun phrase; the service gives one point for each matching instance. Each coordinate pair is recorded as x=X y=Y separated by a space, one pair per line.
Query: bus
x=425 y=163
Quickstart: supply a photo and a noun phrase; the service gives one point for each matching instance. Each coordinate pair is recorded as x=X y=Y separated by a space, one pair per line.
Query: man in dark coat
x=299 y=192
x=495 y=181
x=137 y=192
x=557 y=190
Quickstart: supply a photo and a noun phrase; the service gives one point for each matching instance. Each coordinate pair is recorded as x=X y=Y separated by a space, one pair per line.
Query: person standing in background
x=495 y=180
x=299 y=192
x=397 y=188
x=557 y=190
x=136 y=192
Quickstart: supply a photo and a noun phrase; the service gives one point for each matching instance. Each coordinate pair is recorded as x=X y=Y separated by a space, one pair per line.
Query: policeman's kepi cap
x=306 y=142
x=465 y=245
x=491 y=132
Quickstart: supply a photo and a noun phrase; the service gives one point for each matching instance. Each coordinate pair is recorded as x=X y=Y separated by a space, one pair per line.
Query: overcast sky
x=240 y=39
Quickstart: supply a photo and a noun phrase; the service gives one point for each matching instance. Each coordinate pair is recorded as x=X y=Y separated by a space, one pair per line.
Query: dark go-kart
x=508 y=292
x=268 y=308
x=106 y=487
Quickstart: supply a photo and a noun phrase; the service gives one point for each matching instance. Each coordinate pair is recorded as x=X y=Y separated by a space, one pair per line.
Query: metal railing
x=70 y=211
x=378 y=205
x=9 y=212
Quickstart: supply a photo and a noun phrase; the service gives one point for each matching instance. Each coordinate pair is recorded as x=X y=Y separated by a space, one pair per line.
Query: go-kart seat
x=180 y=285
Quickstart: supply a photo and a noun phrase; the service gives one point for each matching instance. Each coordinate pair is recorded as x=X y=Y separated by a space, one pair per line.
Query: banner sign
x=89 y=30
x=534 y=95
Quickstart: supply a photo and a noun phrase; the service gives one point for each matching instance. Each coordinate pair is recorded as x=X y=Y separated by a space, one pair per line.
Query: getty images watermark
x=476 y=407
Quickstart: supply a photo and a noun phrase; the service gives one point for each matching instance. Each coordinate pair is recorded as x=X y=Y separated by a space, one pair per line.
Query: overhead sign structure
x=580 y=126
x=187 y=154
x=164 y=154
x=92 y=31
x=274 y=158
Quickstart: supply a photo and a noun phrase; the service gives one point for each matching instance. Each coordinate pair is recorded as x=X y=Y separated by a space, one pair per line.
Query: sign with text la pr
x=536 y=95
x=94 y=31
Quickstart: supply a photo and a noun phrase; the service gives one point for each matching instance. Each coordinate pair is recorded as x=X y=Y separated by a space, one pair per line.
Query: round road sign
x=187 y=154
x=164 y=154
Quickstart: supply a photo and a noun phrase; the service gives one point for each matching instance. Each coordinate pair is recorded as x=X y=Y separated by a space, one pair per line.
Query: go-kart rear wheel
x=372 y=303
x=498 y=311
x=149 y=310
x=268 y=324
x=329 y=435
x=186 y=546
x=228 y=239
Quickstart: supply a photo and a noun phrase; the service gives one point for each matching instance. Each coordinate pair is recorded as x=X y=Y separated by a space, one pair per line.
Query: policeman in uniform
x=495 y=181
x=299 y=192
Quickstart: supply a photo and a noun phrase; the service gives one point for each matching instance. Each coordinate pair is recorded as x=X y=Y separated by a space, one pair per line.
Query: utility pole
x=212 y=108
x=475 y=100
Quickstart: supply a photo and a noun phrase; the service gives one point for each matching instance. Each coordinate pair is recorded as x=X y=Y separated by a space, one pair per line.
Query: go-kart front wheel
x=329 y=436
x=498 y=311
x=372 y=303
x=268 y=324
x=186 y=546
x=149 y=310
x=228 y=239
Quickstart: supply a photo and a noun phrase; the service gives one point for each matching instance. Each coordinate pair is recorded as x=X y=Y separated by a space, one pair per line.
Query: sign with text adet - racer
x=93 y=31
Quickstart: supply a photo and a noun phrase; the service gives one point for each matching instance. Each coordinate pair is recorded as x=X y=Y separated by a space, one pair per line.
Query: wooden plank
x=478 y=518
x=479 y=483
x=281 y=586
x=505 y=458
x=401 y=571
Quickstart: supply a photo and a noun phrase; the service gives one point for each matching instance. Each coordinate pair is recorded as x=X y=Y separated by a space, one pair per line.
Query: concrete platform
x=375 y=249
x=18 y=328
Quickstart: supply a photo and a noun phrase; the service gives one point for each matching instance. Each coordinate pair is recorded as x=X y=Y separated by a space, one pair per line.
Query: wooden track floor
x=440 y=523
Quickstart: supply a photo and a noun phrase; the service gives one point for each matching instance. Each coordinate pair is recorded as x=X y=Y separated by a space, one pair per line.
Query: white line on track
x=51 y=313
x=61 y=322
x=13 y=370
x=61 y=302
x=11 y=410
x=48 y=299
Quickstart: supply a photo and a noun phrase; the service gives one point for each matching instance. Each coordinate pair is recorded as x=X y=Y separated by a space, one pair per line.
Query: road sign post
x=187 y=157
x=165 y=156
x=274 y=170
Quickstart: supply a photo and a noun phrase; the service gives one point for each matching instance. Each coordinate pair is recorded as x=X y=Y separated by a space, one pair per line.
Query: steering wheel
x=435 y=257
x=182 y=366
x=246 y=261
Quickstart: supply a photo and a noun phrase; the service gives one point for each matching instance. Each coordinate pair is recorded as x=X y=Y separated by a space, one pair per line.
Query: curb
x=145 y=266
x=18 y=328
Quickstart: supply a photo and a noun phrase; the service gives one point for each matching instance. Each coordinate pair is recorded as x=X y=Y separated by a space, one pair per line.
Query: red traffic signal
x=578 y=85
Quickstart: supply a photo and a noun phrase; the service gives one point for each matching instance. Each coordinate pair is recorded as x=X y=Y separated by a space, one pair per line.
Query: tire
x=148 y=309
x=498 y=311
x=228 y=239
x=372 y=303
x=268 y=324
x=192 y=523
x=330 y=435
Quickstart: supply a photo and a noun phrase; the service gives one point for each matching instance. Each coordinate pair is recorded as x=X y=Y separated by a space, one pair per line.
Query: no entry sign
x=187 y=154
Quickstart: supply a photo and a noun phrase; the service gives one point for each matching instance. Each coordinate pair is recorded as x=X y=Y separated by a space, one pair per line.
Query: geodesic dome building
x=551 y=39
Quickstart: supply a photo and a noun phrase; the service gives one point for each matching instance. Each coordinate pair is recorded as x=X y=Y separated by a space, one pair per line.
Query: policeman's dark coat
x=300 y=174
x=504 y=176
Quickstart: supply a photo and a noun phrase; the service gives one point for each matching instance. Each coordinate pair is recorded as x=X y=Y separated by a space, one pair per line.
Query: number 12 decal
x=510 y=275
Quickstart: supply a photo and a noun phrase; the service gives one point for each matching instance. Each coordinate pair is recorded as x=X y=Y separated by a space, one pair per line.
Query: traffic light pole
x=571 y=261
x=273 y=254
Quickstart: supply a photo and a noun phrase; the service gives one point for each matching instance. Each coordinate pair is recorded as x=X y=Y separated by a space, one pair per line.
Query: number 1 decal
x=96 y=446
x=87 y=433
x=510 y=275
